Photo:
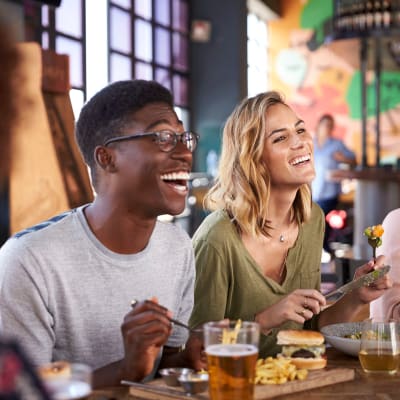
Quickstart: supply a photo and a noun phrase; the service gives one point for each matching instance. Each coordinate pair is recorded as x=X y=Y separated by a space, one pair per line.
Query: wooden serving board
x=159 y=390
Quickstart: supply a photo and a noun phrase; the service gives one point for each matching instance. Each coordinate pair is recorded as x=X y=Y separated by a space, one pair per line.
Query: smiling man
x=67 y=284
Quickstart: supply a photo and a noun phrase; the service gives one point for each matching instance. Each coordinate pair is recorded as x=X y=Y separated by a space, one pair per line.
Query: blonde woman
x=258 y=254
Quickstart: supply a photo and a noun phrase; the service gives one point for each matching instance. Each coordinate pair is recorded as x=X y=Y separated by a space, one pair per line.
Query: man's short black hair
x=110 y=111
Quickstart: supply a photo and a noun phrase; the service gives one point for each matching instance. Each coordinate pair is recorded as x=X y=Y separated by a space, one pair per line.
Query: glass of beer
x=232 y=351
x=75 y=383
x=380 y=346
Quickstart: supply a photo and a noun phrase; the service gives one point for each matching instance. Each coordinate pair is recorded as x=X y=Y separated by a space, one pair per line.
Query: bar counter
x=364 y=386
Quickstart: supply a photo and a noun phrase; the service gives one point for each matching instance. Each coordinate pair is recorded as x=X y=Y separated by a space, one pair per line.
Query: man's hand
x=194 y=352
x=193 y=356
x=145 y=330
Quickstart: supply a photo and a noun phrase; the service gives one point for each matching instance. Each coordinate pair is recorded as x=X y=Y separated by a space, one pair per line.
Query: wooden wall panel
x=47 y=175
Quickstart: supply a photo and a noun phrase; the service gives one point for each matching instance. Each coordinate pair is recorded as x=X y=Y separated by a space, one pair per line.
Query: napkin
x=388 y=305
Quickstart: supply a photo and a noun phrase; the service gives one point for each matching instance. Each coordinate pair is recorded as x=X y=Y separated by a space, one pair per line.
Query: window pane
x=257 y=55
x=262 y=33
x=77 y=99
x=69 y=18
x=120 y=31
x=180 y=90
x=74 y=50
x=180 y=15
x=251 y=26
x=163 y=47
x=183 y=115
x=143 y=8
x=45 y=40
x=180 y=52
x=162 y=12
x=123 y=3
x=163 y=77
x=252 y=52
x=120 y=68
x=143 y=40
x=45 y=15
x=143 y=71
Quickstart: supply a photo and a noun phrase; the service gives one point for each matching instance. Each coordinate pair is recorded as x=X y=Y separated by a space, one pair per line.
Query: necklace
x=282 y=238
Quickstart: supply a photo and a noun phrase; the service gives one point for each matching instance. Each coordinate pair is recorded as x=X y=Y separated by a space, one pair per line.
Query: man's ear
x=104 y=158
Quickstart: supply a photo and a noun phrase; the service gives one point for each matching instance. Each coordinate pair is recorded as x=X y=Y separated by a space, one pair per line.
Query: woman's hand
x=366 y=294
x=298 y=306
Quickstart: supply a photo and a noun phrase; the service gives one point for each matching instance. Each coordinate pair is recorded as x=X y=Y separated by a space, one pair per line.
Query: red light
x=336 y=219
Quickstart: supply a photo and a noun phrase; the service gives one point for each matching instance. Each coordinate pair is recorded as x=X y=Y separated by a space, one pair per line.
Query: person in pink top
x=388 y=305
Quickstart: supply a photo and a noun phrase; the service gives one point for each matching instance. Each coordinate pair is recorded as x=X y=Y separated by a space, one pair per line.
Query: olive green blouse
x=229 y=283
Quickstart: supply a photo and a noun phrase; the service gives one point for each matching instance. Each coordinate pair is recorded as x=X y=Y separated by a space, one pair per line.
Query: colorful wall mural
x=317 y=78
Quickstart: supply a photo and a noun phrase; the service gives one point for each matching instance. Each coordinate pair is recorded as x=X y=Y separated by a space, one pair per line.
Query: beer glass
x=231 y=363
x=73 y=386
x=380 y=346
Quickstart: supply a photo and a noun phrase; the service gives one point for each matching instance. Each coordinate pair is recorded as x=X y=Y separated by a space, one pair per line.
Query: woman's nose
x=296 y=141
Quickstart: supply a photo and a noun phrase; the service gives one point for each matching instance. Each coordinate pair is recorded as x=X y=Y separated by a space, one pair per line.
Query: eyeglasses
x=166 y=140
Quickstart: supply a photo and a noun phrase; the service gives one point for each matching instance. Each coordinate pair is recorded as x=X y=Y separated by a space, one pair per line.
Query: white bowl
x=334 y=335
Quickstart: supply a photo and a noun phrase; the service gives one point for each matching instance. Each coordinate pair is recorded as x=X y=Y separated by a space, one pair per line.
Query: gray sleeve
x=23 y=295
x=180 y=335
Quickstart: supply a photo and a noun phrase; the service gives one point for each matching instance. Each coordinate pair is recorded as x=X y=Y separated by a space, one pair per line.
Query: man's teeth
x=300 y=159
x=181 y=188
x=175 y=176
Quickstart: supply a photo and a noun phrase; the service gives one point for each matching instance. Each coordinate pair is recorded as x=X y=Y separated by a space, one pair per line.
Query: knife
x=167 y=393
x=364 y=280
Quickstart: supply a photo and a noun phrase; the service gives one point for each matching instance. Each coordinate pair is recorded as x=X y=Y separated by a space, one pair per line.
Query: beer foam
x=231 y=350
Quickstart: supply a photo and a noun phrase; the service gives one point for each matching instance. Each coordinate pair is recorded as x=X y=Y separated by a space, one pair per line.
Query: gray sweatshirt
x=64 y=295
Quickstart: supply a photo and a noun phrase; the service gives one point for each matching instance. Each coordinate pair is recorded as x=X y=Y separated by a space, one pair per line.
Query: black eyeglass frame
x=190 y=142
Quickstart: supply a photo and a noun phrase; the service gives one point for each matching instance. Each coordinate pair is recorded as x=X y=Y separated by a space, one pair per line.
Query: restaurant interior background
x=324 y=56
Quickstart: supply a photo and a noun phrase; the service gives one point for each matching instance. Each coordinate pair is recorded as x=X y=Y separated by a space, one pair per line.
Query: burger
x=305 y=349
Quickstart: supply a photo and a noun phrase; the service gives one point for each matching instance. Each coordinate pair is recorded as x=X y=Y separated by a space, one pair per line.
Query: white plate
x=334 y=335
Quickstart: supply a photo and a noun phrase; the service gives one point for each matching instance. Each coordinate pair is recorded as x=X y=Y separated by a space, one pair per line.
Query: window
x=151 y=43
x=258 y=15
x=257 y=55
x=110 y=40
x=63 y=30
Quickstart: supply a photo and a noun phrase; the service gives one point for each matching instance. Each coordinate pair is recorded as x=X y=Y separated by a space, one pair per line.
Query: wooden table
x=364 y=386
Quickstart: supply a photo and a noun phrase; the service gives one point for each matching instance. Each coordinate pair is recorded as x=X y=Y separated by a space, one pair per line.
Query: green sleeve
x=211 y=285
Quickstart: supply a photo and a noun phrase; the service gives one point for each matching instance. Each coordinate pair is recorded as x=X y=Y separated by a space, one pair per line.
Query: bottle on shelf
x=387 y=13
x=369 y=15
x=362 y=17
x=378 y=18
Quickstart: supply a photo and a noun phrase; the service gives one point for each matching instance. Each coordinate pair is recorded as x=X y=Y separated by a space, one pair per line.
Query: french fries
x=230 y=336
x=275 y=371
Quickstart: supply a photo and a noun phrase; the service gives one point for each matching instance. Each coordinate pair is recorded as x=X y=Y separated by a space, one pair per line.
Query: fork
x=173 y=320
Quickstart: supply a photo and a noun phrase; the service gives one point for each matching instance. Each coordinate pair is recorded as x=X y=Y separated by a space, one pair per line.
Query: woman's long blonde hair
x=242 y=186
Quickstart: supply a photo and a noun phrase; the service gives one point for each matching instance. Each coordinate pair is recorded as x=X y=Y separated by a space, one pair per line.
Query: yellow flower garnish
x=374 y=234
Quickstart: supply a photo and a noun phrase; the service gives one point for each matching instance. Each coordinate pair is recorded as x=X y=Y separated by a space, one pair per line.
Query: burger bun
x=309 y=363
x=300 y=337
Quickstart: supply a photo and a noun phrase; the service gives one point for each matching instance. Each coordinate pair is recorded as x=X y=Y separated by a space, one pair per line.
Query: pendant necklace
x=281 y=238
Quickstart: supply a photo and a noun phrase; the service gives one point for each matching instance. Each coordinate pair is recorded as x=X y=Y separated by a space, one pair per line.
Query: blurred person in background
x=388 y=306
x=329 y=153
